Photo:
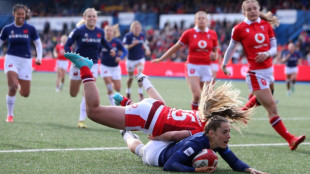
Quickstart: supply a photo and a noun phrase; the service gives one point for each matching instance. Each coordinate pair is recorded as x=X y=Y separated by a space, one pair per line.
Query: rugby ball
x=205 y=158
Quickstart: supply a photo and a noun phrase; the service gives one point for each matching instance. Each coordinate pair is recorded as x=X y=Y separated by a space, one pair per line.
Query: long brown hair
x=269 y=17
x=223 y=101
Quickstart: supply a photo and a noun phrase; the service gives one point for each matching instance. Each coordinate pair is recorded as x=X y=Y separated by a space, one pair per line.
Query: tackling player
x=18 y=62
x=89 y=39
x=258 y=40
x=202 y=46
x=151 y=115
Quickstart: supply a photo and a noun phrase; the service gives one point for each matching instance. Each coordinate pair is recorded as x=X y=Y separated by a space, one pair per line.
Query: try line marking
x=121 y=148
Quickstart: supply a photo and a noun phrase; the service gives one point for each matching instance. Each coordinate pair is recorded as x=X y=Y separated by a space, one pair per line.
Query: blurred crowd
x=160 y=40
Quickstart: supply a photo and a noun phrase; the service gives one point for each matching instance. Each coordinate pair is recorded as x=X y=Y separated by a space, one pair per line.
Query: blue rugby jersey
x=19 y=39
x=292 y=61
x=107 y=59
x=88 y=42
x=179 y=156
x=136 y=52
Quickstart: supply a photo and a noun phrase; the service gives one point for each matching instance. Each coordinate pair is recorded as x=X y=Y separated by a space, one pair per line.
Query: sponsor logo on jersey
x=91 y=40
x=189 y=151
x=10 y=66
x=16 y=36
x=202 y=44
x=259 y=38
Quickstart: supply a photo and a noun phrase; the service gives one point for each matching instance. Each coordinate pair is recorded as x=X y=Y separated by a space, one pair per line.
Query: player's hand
x=225 y=70
x=157 y=60
x=38 y=62
x=112 y=53
x=262 y=56
x=205 y=169
x=212 y=56
x=147 y=52
x=117 y=59
x=254 y=171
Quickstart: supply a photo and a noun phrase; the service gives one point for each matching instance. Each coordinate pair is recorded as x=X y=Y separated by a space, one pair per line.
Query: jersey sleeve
x=270 y=31
x=3 y=34
x=233 y=161
x=181 y=159
x=71 y=39
x=184 y=38
x=235 y=35
x=121 y=47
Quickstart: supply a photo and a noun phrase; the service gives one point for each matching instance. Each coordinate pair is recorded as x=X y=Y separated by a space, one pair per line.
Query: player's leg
x=133 y=142
x=111 y=116
x=62 y=78
x=140 y=68
x=293 y=80
x=12 y=81
x=288 y=84
x=194 y=85
x=58 y=79
x=24 y=87
x=265 y=97
x=109 y=84
x=144 y=81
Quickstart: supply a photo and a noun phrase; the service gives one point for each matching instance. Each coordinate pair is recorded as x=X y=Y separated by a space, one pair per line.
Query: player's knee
x=140 y=68
x=13 y=89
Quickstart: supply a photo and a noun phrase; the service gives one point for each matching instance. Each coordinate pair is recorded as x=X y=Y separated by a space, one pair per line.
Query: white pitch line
x=293 y=118
x=121 y=148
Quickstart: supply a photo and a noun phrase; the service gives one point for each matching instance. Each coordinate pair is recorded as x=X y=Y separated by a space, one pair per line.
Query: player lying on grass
x=178 y=156
x=151 y=115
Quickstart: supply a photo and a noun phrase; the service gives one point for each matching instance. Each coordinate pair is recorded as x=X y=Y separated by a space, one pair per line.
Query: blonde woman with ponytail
x=89 y=40
x=257 y=37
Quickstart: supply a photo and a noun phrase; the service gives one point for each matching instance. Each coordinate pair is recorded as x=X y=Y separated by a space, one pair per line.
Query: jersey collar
x=198 y=30
x=246 y=20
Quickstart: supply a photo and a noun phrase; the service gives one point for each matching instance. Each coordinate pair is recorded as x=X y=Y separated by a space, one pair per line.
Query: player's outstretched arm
x=172 y=136
x=254 y=171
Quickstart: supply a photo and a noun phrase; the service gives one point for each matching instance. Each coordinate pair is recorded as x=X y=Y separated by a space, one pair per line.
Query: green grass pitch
x=48 y=120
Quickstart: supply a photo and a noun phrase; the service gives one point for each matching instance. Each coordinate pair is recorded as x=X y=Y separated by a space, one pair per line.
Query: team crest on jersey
x=195 y=35
x=10 y=66
x=262 y=27
x=98 y=34
x=25 y=31
x=189 y=151
x=247 y=30
x=202 y=44
x=208 y=36
x=259 y=38
x=85 y=35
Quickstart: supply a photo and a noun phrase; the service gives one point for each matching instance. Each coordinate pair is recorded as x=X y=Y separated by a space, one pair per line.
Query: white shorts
x=75 y=72
x=63 y=64
x=291 y=70
x=143 y=115
x=152 y=150
x=114 y=72
x=215 y=67
x=131 y=64
x=202 y=71
x=259 y=79
x=22 y=66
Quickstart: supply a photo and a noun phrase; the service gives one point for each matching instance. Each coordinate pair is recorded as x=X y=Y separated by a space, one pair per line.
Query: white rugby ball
x=205 y=158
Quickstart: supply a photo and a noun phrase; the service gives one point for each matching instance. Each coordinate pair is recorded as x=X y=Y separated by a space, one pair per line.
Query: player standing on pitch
x=202 y=45
x=258 y=40
x=62 y=62
x=18 y=62
x=136 y=44
x=88 y=38
x=110 y=70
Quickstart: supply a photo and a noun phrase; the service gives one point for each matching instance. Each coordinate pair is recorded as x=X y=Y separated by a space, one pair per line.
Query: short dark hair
x=27 y=10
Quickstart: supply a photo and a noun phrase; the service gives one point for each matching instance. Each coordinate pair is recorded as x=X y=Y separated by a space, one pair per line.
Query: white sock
x=140 y=90
x=111 y=99
x=139 y=150
x=10 y=102
x=147 y=83
x=83 y=110
x=128 y=90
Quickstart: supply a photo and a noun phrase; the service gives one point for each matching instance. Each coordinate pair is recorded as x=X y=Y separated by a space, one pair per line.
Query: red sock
x=86 y=74
x=278 y=125
x=194 y=106
x=251 y=103
x=126 y=101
